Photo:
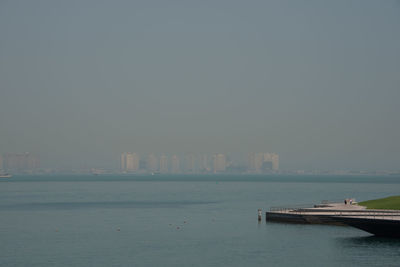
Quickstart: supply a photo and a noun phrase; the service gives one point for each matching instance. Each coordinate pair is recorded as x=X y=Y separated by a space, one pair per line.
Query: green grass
x=388 y=203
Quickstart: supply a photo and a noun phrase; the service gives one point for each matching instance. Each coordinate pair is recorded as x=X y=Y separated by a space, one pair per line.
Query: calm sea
x=182 y=221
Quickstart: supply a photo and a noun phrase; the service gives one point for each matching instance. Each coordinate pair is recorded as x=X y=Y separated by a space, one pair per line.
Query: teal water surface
x=182 y=221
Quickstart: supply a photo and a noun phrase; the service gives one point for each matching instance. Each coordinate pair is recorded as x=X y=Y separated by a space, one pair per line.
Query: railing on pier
x=307 y=209
x=326 y=202
x=374 y=214
x=291 y=207
x=303 y=206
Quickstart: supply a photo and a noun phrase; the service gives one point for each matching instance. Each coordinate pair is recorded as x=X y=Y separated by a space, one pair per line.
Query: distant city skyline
x=170 y=163
x=183 y=163
x=192 y=163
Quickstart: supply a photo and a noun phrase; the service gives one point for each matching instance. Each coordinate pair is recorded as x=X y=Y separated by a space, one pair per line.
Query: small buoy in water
x=178 y=227
x=56 y=229
x=184 y=221
x=118 y=229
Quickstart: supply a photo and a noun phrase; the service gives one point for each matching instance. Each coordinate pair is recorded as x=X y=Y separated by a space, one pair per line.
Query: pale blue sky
x=318 y=82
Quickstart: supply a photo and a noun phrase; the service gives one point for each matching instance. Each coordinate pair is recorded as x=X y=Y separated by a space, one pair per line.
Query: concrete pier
x=378 y=222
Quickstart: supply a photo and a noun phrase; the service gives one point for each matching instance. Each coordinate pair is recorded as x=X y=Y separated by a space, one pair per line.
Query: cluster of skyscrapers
x=188 y=163
x=263 y=162
x=191 y=163
x=19 y=162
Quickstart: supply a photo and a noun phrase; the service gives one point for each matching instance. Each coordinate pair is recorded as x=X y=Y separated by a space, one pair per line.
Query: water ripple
x=102 y=205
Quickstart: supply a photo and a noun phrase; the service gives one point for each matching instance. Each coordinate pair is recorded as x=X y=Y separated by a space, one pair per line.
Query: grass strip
x=388 y=203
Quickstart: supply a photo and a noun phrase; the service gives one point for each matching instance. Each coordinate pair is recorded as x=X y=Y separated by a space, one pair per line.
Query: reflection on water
x=368 y=251
x=369 y=241
x=101 y=205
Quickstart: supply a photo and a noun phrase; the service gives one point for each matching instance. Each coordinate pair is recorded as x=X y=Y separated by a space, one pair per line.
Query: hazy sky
x=317 y=82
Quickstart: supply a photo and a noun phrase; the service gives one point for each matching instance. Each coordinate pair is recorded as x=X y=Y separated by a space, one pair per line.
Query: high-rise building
x=132 y=162
x=152 y=165
x=129 y=162
x=263 y=162
x=274 y=159
x=123 y=162
x=204 y=164
x=136 y=162
x=20 y=162
x=255 y=161
x=163 y=164
x=190 y=163
x=219 y=163
x=175 y=168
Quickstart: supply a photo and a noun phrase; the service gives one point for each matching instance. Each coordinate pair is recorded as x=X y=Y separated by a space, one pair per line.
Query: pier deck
x=372 y=221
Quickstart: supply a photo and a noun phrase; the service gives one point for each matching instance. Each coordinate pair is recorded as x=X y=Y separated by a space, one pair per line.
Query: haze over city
x=199 y=133
x=316 y=82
